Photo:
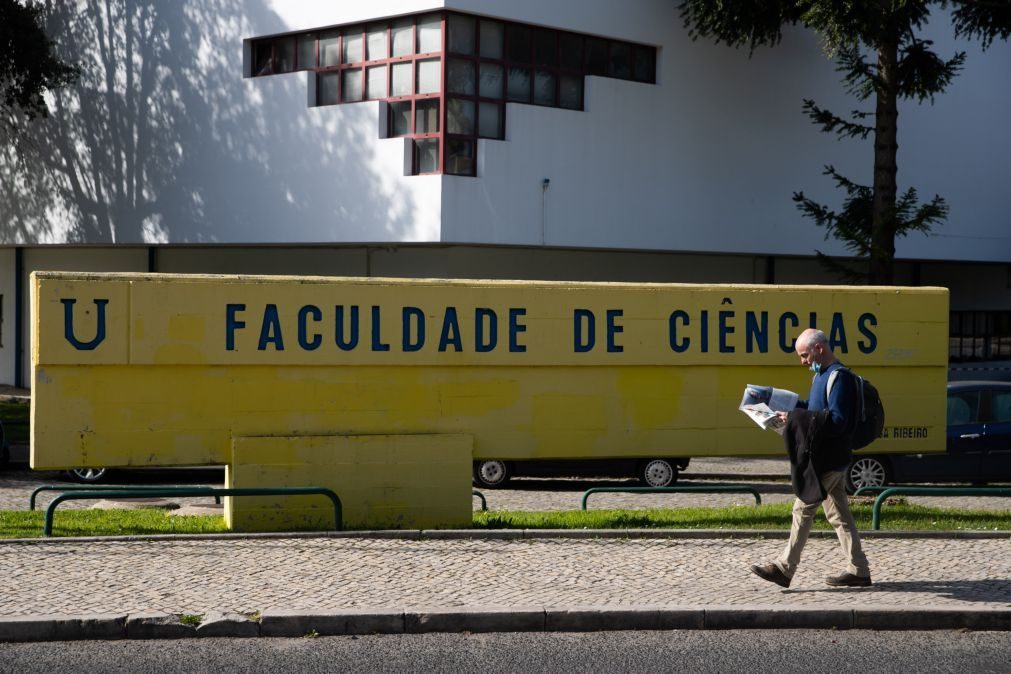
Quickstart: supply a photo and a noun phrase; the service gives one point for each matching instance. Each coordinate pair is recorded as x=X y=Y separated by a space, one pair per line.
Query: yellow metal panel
x=182 y=364
x=383 y=481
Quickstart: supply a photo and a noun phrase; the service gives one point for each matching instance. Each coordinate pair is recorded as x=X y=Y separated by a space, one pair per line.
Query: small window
x=645 y=65
x=328 y=89
x=403 y=37
x=546 y=48
x=306 y=52
x=429 y=74
x=963 y=407
x=430 y=34
x=426 y=155
x=620 y=65
x=353 y=46
x=426 y=116
x=329 y=44
x=460 y=116
x=351 y=85
x=492 y=39
x=490 y=120
x=1001 y=407
x=570 y=51
x=460 y=76
x=460 y=156
x=400 y=118
x=284 y=55
x=263 y=56
x=376 y=45
x=544 y=88
x=519 y=44
x=598 y=55
x=571 y=92
x=376 y=82
x=462 y=34
x=519 y=85
x=403 y=79
x=492 y=79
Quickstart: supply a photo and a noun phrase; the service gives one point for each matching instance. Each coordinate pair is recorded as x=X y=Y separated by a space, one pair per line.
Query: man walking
x=818 y=438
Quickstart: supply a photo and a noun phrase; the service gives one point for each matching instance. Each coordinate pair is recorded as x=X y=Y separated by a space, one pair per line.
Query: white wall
x=709 y=158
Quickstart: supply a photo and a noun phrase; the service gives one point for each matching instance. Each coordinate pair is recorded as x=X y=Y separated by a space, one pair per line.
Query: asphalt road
x=749 y=651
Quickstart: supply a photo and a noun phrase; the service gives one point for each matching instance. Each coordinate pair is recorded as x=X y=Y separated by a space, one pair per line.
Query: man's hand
x=783 y=416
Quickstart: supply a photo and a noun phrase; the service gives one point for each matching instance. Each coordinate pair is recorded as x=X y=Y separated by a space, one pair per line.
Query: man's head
x=814 y=350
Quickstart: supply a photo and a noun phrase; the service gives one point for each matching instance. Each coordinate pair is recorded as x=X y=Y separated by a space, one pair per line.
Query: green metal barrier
x=931 y=491
x=869 y=490
x=104 y=487
x=484 y=501
x=192 y=491
x=711 y=489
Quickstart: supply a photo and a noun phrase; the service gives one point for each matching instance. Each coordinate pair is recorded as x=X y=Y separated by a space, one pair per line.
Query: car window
x=1001 y=407
x=963 y=407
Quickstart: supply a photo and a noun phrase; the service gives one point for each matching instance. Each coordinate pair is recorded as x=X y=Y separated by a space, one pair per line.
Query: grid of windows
x=446 y=77
x=979 y=335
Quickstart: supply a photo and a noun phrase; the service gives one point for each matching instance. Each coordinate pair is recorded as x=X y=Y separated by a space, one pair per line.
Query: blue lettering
x=480 y=345
x=303 y=330
x=583 y=344
x=813 y=319
x=725 y=331
x=418 y=316
x=377 y=344
x=675 y=345
x=837 y=336
x=450 y=331
x=352 y=340
x=515 y=328
x=872 y=339
x=232 y=324
x=704 y=331
x=614 y=329
x=756 y=333
x=270 y=330
x=786 y=343
x=68 y=325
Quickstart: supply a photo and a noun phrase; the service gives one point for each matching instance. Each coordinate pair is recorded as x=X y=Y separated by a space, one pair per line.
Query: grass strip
x=900 y=516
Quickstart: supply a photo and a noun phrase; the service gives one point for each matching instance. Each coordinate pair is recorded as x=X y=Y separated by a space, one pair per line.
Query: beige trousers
x=837 y=511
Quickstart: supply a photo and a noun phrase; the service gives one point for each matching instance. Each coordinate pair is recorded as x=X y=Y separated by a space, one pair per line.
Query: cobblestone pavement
x=326 y=574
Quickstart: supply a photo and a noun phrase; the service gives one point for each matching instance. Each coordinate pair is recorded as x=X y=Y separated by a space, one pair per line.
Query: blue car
x=978 y=447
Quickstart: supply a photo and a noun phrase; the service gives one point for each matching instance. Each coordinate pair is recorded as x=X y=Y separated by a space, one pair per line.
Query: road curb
x=293 y=624
x=516 y=534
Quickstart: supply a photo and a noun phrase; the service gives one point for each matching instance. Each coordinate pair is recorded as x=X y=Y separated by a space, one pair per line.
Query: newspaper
x=761 y=403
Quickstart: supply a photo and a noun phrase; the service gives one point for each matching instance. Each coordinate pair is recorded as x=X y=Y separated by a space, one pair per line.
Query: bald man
x=827 y=418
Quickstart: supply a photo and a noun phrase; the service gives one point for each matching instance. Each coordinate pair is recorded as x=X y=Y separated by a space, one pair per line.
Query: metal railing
x=711 y=489
x=104 y=487
x=927 y=491
x=191 y=491
x=484 y=501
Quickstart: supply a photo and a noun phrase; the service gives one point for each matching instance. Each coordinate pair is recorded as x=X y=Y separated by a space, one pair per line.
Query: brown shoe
x=771 y=573
x=848 y=580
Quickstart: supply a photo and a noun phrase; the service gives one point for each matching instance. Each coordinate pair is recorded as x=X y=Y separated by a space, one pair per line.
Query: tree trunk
x=886 y=148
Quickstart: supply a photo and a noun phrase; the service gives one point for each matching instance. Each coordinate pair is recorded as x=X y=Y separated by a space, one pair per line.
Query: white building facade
x=580 y=140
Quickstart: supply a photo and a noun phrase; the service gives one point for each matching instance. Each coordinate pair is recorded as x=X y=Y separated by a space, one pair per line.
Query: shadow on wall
x=163 y=141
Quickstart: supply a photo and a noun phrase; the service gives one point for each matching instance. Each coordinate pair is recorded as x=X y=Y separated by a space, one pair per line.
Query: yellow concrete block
x=422 y=482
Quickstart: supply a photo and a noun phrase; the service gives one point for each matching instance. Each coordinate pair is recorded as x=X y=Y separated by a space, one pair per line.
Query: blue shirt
x=841 y=402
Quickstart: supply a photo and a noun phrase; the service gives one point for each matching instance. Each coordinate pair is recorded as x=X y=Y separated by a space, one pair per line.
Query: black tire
x=867 y=471
x=492 y=473
x=88 y=475
x=658 y=472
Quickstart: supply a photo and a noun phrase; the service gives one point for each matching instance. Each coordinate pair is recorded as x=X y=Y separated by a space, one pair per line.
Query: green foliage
x=146 y=521
x=904 y=66
x=769 y=516
x=28 y=64
x=193 y=619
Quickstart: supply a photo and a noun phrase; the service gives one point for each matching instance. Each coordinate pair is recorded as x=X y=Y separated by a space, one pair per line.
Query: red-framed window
x=446 y=77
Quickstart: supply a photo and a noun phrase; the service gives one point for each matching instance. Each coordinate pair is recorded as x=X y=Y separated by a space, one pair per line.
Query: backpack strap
x=860 y=390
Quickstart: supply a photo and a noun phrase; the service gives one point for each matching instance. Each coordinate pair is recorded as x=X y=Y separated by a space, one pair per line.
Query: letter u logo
x=68 y=325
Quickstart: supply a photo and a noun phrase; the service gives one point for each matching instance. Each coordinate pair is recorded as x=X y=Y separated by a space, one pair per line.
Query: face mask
x=816 y=368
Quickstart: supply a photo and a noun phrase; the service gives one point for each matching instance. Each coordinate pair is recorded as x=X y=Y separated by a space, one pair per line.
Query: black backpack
x=871 y=418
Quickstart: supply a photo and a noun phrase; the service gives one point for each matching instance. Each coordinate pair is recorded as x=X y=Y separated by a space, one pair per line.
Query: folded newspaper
x=762 y=402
